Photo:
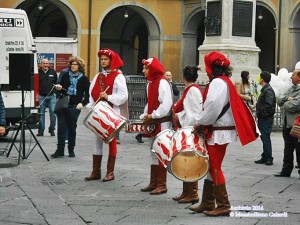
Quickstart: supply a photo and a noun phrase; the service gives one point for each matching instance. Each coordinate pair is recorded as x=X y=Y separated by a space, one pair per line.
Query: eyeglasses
x=74 y=64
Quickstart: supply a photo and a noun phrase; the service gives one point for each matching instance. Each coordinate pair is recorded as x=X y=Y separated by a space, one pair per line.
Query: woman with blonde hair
x=75 y=84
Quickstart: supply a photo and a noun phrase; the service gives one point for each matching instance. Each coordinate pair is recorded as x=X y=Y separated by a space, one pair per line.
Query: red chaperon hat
x=116 y=61
x=156 y=69
x=215 y=58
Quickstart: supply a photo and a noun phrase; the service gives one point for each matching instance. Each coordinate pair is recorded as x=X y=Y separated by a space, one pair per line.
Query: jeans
x=67 y=120
x=265 y=128
x=49 y=102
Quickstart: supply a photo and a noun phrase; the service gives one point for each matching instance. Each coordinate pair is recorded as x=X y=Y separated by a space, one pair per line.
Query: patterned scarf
x=73 y=80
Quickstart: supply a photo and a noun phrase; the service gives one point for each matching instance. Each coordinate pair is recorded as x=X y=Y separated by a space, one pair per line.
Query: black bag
x=61 y=104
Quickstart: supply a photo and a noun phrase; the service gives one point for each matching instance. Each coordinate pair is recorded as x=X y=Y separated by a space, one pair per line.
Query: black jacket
x=266 y=103
x=83 y=85
x=174 y=89
x=46 y=81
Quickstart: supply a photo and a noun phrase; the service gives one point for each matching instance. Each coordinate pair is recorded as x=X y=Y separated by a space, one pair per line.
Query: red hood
x=156 y=69
x=215 y=58
x=116 y=61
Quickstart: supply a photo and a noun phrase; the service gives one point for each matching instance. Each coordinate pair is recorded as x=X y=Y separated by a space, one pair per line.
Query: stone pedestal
x=230 y=29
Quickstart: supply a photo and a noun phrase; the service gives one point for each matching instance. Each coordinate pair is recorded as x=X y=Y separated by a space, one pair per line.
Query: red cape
x=243 y=118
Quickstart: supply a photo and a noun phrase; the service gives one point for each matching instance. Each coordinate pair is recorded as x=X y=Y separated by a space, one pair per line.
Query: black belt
x=224 y=128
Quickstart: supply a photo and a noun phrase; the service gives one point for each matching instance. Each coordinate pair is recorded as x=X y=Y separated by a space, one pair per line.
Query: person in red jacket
x=159 y=96
x=185 y=111
x=108 y=85
x=224 y=119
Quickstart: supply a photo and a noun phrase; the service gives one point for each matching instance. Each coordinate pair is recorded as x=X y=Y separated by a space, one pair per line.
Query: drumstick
x=106 y=89
x=100 y=96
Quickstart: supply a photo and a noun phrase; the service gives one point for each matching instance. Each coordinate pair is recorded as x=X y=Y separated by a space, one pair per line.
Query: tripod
x=21 y=127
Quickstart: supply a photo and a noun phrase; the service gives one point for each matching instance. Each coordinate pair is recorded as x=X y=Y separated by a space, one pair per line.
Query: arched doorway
x=50 y=18
x=265 y=36
x=54 y=28
x=193 y=37
x=135 y=36
x=295 y=29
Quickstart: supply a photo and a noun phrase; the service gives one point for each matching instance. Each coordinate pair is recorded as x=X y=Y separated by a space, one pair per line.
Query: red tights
x=216 y=155
x=113 y=148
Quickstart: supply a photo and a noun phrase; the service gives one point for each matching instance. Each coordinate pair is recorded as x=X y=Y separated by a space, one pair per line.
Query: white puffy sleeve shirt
x=165 y=100
x=192 y=105
x=119 y=93
x=217 y=98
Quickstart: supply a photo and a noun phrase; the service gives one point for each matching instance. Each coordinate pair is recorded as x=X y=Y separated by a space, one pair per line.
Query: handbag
x=295 y=131
x=62 y=104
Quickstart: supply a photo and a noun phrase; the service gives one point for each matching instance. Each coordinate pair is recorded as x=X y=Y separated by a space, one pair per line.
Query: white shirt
x=119 y=93
x=192 y=105
x=217 y=98
x=166 y=102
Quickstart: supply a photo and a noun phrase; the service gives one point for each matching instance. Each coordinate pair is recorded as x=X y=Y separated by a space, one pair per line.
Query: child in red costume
x=159 y=96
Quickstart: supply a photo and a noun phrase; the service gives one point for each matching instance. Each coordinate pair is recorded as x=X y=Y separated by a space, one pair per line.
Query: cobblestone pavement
x=54 y=192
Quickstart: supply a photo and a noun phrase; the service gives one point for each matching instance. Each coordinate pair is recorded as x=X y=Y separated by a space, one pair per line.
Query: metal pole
x=89 y=39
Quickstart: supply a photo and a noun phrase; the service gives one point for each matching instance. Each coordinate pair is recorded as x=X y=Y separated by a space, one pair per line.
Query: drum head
x=189 y=166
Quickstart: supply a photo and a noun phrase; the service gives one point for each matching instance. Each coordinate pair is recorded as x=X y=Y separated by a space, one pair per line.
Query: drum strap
x=224 y=110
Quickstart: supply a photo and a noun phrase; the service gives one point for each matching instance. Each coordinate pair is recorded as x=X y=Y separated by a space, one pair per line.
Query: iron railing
x=137 y=98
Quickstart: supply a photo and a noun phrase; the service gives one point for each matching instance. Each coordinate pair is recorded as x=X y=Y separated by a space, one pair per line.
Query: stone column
x=230 y=29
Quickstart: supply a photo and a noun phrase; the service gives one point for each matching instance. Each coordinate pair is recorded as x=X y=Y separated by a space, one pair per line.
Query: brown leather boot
x=153 y=179
x=110 y=169
x=183 y=194
x=208 y=198
x=192 y=194
x=96 y=173
x=223 y=205
x=161 y=181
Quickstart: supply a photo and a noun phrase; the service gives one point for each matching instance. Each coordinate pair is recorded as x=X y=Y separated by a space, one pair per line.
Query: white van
x=16 y=37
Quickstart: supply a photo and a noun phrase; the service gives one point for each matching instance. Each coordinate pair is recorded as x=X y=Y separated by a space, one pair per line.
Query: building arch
x=128 y=37
x=294 y=22
x=193 y=36
x=266 y=36
x=54 y=18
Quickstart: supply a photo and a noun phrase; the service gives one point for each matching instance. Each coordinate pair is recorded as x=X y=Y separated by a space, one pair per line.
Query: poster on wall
x=62 y=61
x=49 y=56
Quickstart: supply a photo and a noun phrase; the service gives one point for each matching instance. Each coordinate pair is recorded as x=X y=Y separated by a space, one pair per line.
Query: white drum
x=162 y=146
x=104 y=121
x=190 y=161
x=137 y=126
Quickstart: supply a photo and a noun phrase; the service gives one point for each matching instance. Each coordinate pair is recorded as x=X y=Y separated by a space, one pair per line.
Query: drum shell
x=162 y=146
x=189 y=161
x=137 y=126
x=104 y=121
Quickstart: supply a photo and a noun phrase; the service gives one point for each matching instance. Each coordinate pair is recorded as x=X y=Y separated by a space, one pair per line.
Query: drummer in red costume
x=159 y=96
x=185 y=111
x=108 y=85
x=229 y=118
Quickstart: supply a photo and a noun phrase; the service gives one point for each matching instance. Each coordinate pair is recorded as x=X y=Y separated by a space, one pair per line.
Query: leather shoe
x=40 y=134
x=261 y=161
x=52 y=133
x=57 y=154
x=269 y=162
x=139 y=138
x=282 y=175
x=71 y=154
